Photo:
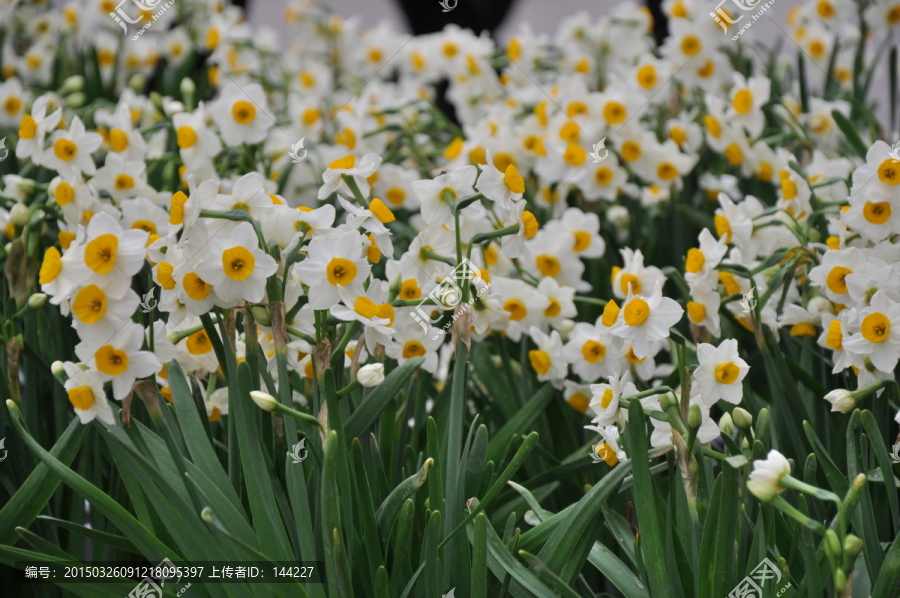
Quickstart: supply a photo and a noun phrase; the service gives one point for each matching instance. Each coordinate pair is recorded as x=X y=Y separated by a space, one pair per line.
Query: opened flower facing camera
x=644 y=320
x=242 y=114
x=85 y=390
x=721 y=372
x=119 y=358
x=334 y=270
x=879 y=333
x=236 y=267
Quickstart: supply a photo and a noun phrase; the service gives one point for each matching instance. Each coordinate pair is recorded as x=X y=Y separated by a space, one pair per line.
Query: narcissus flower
x=879 y=333
x=440 y=195
x=236 y=266
x=503 y=188
x=86 y=394
x=646 y=319
x=547 y=360
x=333 y=177
x=242 y=114
x=334 y=269
x=765 y=479
x=70 y=151
x=720 y=372
x=605 y=399
x=111 y=256
x=119 y=358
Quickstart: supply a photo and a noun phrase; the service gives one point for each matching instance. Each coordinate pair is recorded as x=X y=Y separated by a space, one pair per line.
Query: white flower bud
x=73 y=84
x=263 y=400
x=76 y=100
x=171 y=107
x=841 y=400
x=742 y=418
x=818 y=305
x=37 y=300
x=371 y=375
x=618 y=216
x=261 y=315
x=726 y=425
x=19 y=215
x=188 y=87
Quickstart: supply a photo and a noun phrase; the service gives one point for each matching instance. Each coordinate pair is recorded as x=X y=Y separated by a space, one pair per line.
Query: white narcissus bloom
x=242 y=114
x=831 y=274
x=879 y=333
x=92 y=308
x=236 y=267
x=633 y=277
x=584 y=229
x=747 y=98
x=196 y=142
x=333 y=177
x=609 y=451
x=33 y=128
x=605 y=399
x=644 y=320
x=413 y=338
x=119 y=358
x=701 y=262
x=440 y=195
x=372 y=220
x=70 y=151
x=765 y=479
x=841 y=400
x=547 y=360
x=86 y=394
x=591 y=352
x=110 y=256
x=720 y=372
x=334 y=269
x=119 y=178
x=371 y=374
x=503 y=188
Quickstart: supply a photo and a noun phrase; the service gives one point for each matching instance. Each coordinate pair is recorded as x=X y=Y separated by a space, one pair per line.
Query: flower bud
x=72 y=84
x=263 y=400
x=841 y=400
x=762 y=491
x=618 y=216
x=188 y=88
x=818 y=305
x=371 y=375
x=172 y=107
x=667 y=400
x=742 y=418
x=76 y=100
x=832 y=546
x=37 y=300
x=19 y=215
x=261 y=315
x=852 y=546
x=59 y=372
x=137 y=82
x=726 y=425
x=695 y=417
x=27 y=186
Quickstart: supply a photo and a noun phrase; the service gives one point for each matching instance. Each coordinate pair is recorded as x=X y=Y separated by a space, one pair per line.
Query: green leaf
x=835 y=477
x=518 y=424
x=116 y=541
x=649 y=523
x=390 y=508
x=888 y=583
x=380 y=396
x=479 y=558
x=717 y=546
x=879 y=447
x=617 y=572
x=851 y=133
x=430 y=556
x=561 y=586
x=143 y=540
x=366 y=512
x=32 y=496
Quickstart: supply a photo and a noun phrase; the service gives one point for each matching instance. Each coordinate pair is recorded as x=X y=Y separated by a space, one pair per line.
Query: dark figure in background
x=425 y=16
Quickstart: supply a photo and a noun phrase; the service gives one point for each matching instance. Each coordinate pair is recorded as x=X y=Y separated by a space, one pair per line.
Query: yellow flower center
x=347 y=162
x=667 y=171
x=111 y=361
x=678 y=135
x=381 y=211
x=723 y=227
x=513 y=179
x=186 y=137
x=238 y=263
x=646 y=76
x=825 y=9
x=413 y=349
x=733 y=154
x=575 y=155
x=632 y=280
x=548 y=265
x=579 y=402
x=593 y=351
x=875 y=327
x=28 y=127
x=124 y=182
x=243 y=112
x=65 y=150
x=742 y=102
x=176 y=211
x=696 y=311
x=118 y=140
x=164 y=275
x=764 y=172
x=803 y=329
x=365 y=307
x=570 y=132
x=81 y=397
x=606 y=399
x=835 y=337
x=198 y=343
x=835 y=279
x=396 y=196
x=695 y=260
x=540 y=361
x=727 y=373
x=636 y=312
x=100 y=254
x=145 y=225
x=64 y=194
x=530 y=223
x=89 y=304
x=516 y=309
x=51 y=266
x=603 y=175
x=690 y=44
x=614 y=112
x=610 y=313
x=877 y=212
x=409 y=289
x=631 y=151
x=553 y=309
x=582 y=240
x=11 y=105
x=195 y=287
x=341 y=272
x=788 y=188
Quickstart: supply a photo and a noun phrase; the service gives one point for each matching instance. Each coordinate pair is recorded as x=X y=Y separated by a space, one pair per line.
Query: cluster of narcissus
x=364 y=238
x=381 y=209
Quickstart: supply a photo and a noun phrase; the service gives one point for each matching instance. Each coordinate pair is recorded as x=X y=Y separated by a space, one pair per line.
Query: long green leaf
x=717 y=546
x=390 y=508
x=519 y=423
